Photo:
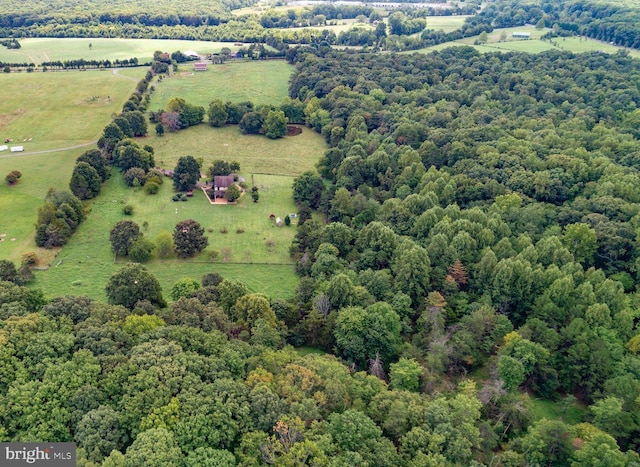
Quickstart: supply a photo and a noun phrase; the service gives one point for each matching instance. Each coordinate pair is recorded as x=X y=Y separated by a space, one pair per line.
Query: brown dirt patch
x=293 y=130
x=8 y=118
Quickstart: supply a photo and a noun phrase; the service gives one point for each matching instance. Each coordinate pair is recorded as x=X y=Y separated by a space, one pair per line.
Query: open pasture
x=49 y=111
x=445 y=23
x=261 y=82
x=291 y=155
x=248 y=244
x=53 y=110
x=533 y=45
x=43 y=49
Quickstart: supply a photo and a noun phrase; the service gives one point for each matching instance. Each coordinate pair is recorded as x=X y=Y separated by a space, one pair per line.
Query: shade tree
x=131 y=284
x=186 y=173
x=189 y=238
x=122 y=237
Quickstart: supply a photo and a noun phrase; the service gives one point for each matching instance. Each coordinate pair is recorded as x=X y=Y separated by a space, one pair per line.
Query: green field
x=257 y=255
x=38 y=50
x=52 y=110
x=253 y=249
x=292 y=155
x=533 y=45
x=445 y=23
x=43 y=111
x=262 y=82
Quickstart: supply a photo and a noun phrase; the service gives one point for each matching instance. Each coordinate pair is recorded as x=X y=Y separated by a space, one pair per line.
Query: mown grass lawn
x=44 y=49
x=260 y=81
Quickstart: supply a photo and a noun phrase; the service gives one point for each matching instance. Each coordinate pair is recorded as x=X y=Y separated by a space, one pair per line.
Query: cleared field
x=533 y=45
x=19 y=204
x=445 y=23
x=291 y=155
x=262 y=82
x=43 y=111
x=52 y=110
x=258 y=255
x=38 y=50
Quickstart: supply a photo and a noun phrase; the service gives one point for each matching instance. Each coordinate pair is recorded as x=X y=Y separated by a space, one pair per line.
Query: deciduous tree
x=132 y=284
x=186 y=173
x=189 y=238
x=122 y=237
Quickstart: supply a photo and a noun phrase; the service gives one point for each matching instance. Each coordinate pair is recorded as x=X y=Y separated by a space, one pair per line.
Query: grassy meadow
x=533 y=45
x=445 y=23
x=257 y=256
x=291 y=155
x=50 y=111
x=53 y=110
x=262 y=82
x=244 y=242
x=44 y=49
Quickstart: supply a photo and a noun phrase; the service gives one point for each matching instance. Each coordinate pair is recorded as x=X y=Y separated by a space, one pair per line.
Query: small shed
x=200 y=66
x=521 y=35
x=221 y=183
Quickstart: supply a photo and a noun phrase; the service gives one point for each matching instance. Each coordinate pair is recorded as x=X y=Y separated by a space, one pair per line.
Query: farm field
x=262 y=82
x=533 y=45
x=86 y=263
x=445 y=23
x=42 y=49
x=291 y=155
x=251 y=241
x=43 y=111
x=53 y=110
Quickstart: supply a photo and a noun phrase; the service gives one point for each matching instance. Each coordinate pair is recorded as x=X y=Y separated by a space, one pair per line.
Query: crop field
x=38 y=50
x=261 y=82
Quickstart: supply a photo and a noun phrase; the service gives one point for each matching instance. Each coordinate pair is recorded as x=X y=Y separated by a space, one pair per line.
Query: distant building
x=192 y=55
x=521 y=35
x=200 y=66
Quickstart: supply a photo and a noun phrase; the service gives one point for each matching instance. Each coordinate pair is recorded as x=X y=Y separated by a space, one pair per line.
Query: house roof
x=222 y=181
